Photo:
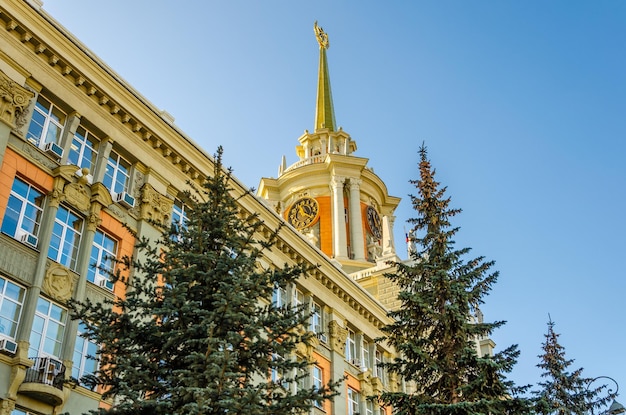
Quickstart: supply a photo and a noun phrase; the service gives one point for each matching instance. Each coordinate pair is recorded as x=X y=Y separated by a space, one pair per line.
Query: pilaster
x=340 y=248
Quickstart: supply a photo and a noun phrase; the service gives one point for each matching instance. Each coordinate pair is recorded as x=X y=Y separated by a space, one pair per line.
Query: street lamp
x=616 y=407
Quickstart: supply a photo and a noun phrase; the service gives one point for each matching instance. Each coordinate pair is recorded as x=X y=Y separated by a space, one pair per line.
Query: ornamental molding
x=58 y=282
x=155 y=206
x=14 y=101
x=338 y=336
x=92 y=90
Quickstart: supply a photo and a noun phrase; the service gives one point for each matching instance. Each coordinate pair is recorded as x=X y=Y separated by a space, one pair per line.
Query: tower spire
x=324 y=112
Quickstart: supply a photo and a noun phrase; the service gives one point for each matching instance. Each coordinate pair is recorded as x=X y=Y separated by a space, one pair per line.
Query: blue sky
x=521 y=105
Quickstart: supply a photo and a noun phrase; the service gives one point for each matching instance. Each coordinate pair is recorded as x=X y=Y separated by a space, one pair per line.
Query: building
x=82 y=152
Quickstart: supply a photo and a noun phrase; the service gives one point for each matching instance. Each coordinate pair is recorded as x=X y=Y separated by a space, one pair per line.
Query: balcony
x=44 y=381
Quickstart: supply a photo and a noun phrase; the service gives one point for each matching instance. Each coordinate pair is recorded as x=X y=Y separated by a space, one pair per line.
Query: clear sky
x=521 y=104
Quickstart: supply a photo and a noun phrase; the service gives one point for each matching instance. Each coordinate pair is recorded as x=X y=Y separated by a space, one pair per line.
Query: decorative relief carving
x=17 y=260
x=36 y=155
x=78 y=195
x=365 y=379
x=155 y=206
x=58 y=282
x=14 y=100
x=138 y=182
x=93 y=220
x=338 y=337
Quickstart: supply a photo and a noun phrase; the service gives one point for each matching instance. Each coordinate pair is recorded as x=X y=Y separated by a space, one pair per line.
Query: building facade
x=82 y=153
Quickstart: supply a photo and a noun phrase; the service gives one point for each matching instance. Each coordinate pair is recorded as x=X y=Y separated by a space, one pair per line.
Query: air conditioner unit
x=104 y=283
x=125 y=199
x=29 y=238
x=8 y=346
x=53 y=149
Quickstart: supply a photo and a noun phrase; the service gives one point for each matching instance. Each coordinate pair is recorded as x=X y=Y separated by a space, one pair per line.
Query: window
x=65 y=238
x=102 y=260
x=179 y=214
x=365 y=355
x=351 y=346
x=20 y=412
x=369 y=408
x=46 y=126
x=353 y=402
x=379 y=371
x=84 y=149
x=297 y=300
x=318 y=383
x=317 y=321
x=24 y=210
x=117 y=175
x=277 y=371
x=48 y=329
x=85 y=361
x=279 y=296
x=11 y=301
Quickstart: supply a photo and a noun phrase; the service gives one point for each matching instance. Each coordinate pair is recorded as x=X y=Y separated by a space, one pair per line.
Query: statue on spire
x=322 y=37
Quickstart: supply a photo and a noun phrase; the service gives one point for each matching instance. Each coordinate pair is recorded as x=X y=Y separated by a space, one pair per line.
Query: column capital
x=337 y=181
x=354 y=183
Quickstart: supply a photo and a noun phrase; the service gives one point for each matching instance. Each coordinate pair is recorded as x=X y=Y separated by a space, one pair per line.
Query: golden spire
x=324 y=112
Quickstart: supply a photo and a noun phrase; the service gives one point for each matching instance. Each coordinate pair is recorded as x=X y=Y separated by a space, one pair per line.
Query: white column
x=388 y=243
x=340 y=248
x=356 y=221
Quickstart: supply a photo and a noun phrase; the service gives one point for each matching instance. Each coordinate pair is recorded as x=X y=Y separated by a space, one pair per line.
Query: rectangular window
x=379 y=372
x=318 y=383
x=365 y=355
x=20 y=412
x=84 y=149
x=85 y=355
x=317 y=321
x=46 y=337
x=369 y=408
x=24 y=210
x=279 y=296
x=179 y=216
x=117 y=175
x=46 y=126
x=351 y=346
x=353 y=402
x=102 y=260
x=11 y=301
x=65 y=240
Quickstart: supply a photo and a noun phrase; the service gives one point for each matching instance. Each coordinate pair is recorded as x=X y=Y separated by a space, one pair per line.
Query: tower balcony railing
x=305 y=162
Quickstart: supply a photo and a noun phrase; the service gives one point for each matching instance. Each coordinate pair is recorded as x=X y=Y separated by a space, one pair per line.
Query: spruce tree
x=434 y=330
x=196 y=332
x=563 y=392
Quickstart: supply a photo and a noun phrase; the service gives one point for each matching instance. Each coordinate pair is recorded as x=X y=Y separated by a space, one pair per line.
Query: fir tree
x=434 y=330
x=197 y=332
x=562 y=392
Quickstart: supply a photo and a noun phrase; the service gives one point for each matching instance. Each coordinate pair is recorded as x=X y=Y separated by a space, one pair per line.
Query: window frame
x=318 y=382
x=84 y=355
x=84 y=141
x=353 y=401
x=28 y=207
x=5 y=284
x=100 y=253
x=48 y=324
x=48 y=115
x=113 y=172
x=351 y=346
x=67 y=230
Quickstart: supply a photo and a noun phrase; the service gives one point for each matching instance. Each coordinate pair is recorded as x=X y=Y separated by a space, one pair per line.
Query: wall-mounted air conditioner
x=53 y=149
x=28 y=238
x=125 y=199
x=8 y=346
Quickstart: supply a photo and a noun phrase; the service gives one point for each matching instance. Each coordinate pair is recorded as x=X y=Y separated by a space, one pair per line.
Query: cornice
x=42 y=37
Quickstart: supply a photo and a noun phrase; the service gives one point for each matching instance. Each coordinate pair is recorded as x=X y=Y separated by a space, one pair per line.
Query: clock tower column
x=356 y=220
x=340 y=244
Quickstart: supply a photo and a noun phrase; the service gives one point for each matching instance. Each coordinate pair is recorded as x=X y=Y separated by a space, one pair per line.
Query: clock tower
x=330 y=195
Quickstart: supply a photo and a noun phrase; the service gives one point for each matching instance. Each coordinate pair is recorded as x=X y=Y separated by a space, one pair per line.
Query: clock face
x=374 y=222
x=303 y=213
